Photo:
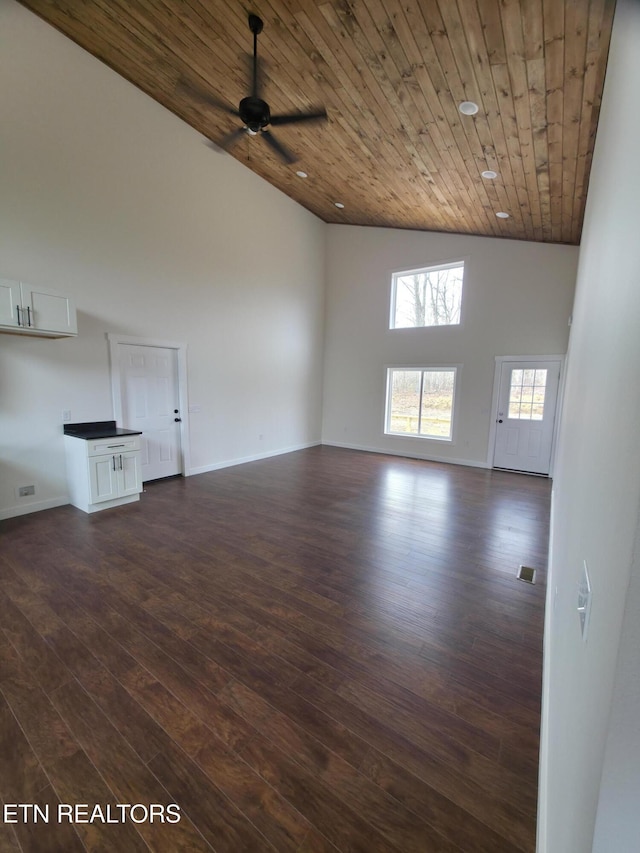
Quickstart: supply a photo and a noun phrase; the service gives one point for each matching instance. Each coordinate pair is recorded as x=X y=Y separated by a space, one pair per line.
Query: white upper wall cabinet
x=30 y=310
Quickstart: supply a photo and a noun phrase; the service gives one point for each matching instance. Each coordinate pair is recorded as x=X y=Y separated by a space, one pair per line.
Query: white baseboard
x=426 y=457
x=37 y=506
x=228 y=463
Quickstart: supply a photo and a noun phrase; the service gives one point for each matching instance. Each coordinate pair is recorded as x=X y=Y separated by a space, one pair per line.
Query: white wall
x=517 y=301
x=596 y=499
x=618 y=817
x=108 y=197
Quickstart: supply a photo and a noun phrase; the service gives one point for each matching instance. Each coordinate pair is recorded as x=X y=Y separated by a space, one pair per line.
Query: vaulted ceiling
x=395 y=150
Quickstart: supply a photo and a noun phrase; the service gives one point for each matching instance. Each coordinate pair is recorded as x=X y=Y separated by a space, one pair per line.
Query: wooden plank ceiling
x=395 y=150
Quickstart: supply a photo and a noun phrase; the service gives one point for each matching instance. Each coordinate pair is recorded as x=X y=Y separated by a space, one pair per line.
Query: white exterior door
x=527 y=399
x=150 y=403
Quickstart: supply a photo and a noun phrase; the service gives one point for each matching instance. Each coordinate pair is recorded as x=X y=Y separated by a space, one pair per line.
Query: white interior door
x=526 y=414
x=150 y=403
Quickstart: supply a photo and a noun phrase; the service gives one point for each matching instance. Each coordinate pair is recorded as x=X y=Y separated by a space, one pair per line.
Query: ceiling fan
x=254 y=112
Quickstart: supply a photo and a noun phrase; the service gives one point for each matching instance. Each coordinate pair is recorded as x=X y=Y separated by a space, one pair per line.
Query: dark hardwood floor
x=323 y=651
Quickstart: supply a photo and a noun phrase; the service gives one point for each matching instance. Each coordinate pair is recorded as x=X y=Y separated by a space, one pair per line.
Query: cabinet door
x=129 y=474
x=9 y=302
x=103 y=478
x=49 y=311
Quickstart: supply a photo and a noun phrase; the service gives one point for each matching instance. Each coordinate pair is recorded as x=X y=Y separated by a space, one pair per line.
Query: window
x=420 y=402
x=526 y=394
x=427 y=297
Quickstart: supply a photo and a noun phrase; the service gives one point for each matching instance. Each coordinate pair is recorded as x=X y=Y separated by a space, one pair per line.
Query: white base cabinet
x=29 y=310
x=103 y=472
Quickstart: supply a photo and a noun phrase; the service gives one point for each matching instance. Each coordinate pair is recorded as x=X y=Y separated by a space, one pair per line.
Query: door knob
x=177 y=420
x=500 y=421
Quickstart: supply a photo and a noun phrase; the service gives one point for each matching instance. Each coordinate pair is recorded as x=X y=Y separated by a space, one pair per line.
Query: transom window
x=427 y=297
x=526 y=394
x=420 y=402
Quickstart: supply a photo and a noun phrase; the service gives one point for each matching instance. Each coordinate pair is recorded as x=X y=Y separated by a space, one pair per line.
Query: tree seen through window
x=428 y=297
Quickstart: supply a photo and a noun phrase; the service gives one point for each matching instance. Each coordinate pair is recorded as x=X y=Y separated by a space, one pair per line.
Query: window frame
x=426 y=368
x=443 y=265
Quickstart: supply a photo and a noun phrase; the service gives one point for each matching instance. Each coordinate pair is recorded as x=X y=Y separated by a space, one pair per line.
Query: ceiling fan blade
x=185 y=88
x=230 y=139
x=292 y=118
x=278 y=147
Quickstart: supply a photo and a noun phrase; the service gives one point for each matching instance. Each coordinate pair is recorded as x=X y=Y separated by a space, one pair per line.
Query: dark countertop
x=98 y=429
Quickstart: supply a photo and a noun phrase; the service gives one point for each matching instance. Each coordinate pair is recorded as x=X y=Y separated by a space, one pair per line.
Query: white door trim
x=505 y=359
x=116 y=384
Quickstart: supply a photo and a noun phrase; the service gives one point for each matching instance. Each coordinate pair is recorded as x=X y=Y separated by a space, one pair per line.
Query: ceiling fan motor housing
x=254 y=113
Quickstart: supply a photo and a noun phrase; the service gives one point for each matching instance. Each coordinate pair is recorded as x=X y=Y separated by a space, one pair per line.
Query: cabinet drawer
x=122 y=444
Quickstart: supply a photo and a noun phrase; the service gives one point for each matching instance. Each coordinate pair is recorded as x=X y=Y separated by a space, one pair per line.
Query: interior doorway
x=148 y=381
x=525 y=406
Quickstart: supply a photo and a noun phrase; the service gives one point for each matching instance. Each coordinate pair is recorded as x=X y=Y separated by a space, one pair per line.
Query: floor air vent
x=526 y=574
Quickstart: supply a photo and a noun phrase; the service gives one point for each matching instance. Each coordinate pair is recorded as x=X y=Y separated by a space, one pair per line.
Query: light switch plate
x=584 y=600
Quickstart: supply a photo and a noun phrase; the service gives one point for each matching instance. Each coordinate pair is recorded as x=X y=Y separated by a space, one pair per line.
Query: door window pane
x=526 y=394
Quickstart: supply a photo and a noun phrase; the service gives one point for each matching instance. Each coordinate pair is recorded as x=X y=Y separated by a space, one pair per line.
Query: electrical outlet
x=584 y=600
x=66 y=415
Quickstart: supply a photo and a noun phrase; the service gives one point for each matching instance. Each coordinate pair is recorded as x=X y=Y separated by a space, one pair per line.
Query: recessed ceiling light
x=489 y=174
x=502 y=215
x=468 y=108
x=339 y=204
x=302 y=174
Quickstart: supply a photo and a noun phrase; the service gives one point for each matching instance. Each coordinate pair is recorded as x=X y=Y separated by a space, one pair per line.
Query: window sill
x=438 y=438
